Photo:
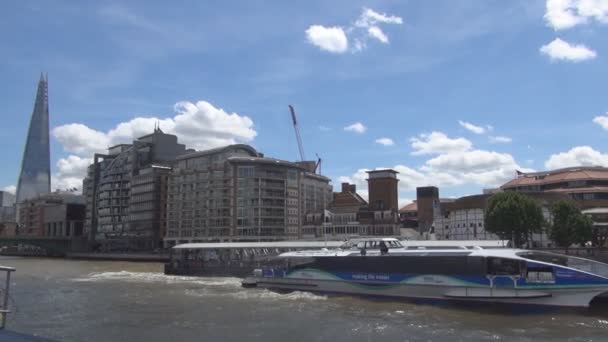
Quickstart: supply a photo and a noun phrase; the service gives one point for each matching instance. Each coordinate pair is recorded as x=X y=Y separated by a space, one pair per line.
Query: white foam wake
x=257 y=294
x=151 y=277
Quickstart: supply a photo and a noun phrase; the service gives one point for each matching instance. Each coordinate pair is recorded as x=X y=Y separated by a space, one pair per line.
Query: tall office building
x=35 y=177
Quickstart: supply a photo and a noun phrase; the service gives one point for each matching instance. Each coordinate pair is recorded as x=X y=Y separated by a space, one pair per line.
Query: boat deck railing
x=4 y=310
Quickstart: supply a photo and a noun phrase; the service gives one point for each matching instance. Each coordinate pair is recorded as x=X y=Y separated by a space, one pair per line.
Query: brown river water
x=70 y=300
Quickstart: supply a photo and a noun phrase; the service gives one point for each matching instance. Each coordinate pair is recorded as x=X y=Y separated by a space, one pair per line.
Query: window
x=246 y=171
x=540 y=274
x=574 y=184
x=503 y=266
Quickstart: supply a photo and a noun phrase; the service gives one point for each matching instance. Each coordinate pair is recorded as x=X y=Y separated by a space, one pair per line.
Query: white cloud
x=473 y=128
x=455 y=163
x=331 y=39
x=438 y=143
x=376 y=32
x=409 y=178
x=565 y=14
x=10 y=189
x=203 y=126
x=199 y=125
x=70 y=173
x=482 y=168
x=602 y=120
x=369 y=20
x=357 y=127
x=335 y=39
x=577 y=156
x=485 y=168
x=80 y=139
x=385 y=141
x=369 y=17
x=562 y=50
x=500 y=139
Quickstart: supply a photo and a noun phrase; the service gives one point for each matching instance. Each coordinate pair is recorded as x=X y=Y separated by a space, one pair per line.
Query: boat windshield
x=585 y=265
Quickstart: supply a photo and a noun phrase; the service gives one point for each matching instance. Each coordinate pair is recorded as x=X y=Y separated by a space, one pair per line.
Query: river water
x=72 y=300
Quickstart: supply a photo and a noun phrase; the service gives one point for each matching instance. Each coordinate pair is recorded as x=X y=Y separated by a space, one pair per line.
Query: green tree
x=569 y=225
x=513 y=216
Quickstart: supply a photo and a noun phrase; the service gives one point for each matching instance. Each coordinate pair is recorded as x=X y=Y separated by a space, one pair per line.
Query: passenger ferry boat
x=239 y=259
x=235 y=259
x=384 y=267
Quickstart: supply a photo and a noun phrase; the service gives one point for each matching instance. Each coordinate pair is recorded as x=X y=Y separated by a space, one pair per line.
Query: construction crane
x=296 y=128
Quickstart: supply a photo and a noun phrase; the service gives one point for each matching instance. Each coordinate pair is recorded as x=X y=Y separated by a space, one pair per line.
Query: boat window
x=540 y=274
x=580 y=264
x=394 y=244
x=299 y=262
x=503 y=266
x=371 y=245
x=545 y=257
x=347 y=245
x=589 y=266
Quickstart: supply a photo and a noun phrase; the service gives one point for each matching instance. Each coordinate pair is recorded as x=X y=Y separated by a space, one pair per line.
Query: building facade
x=349 y=215
x=587 y=186
x=234 y=193
x=464 y=218
x=6 y=199
x=7 y=209
x=55 y=214
x=125 y=192
x=35 y=176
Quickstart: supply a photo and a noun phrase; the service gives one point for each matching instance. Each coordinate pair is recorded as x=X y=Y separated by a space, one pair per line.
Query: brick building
x=55 y=214
x=350 y=215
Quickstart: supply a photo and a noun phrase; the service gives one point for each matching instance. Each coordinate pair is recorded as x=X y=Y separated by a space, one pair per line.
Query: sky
x=456 y=94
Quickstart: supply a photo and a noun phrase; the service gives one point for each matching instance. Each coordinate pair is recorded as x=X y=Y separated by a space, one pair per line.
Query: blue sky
x=440 y=79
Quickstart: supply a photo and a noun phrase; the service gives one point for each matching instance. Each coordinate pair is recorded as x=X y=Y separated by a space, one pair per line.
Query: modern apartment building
x=125 y=193
x=234 y=193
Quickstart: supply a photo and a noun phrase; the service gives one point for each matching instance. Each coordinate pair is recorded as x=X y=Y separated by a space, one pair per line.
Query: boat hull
x=556 y=297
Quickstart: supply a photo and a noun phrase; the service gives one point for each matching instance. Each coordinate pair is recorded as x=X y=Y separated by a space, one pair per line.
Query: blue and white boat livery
x=385 y=267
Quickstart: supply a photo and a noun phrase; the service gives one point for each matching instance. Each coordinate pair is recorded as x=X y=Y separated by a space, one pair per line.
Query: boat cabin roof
x=267 y=244
x=409 y=244
x=456 y=243
x=355 y=240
